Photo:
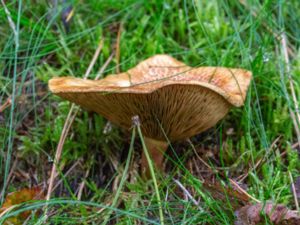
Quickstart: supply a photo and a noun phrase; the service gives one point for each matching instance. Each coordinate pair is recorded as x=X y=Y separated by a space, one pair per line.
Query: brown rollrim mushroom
x=171 y=99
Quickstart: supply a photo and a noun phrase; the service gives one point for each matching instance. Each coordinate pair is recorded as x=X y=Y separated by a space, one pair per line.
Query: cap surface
x=166 y=94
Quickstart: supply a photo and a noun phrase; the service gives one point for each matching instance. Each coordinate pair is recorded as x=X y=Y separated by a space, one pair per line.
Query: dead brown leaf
x=260 y=213
x=18 y=197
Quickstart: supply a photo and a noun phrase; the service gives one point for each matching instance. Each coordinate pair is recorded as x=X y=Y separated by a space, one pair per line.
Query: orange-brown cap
x=166 y=94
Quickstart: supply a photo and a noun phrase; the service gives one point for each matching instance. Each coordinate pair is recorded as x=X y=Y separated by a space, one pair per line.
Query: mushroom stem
x=156 y=150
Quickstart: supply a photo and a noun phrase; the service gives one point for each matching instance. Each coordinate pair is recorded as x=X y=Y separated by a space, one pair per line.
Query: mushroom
x=173 y=101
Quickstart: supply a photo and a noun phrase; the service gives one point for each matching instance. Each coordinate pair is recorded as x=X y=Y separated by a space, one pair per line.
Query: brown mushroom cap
x=168 y=96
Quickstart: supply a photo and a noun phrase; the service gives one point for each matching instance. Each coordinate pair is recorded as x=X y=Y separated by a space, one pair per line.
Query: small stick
x=95 y=57
x=295 y=145
x=101 y=70
x=188 y=194
x=118 y=51
x=198 y=156
x=237 y=186
x=6 y=104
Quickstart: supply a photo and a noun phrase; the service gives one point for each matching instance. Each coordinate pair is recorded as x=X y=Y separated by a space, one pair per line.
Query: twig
x=6 y=104
x=95 y=57
x=295 y=145
x=294 y=191
x=242 y=177
x=187 y=193
x=237 y=186
x=198 y=156
x=101 y=70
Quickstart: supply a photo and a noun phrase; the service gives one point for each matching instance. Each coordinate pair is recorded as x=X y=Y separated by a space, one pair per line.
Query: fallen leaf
x=18 y=197
x=260 y=213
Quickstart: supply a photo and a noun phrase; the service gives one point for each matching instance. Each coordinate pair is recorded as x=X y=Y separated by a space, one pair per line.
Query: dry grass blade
x=295 y=115
x=101 y=70
x=70 y=118
x=213 y=170
x=295 y=145
x=12 y=169
x=241 y=190
x=226 y=193
x=286 y=52
x=81 y=186
x=294 y=191
x=11 y=23
x=95 y=57
x=260 y=162
x=78 y=162
x=118 y=51
x=8 y=210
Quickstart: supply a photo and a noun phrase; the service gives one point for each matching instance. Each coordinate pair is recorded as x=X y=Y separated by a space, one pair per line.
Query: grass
x=256 y=143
